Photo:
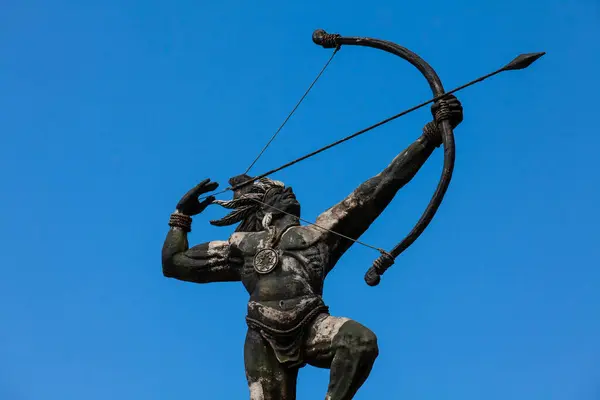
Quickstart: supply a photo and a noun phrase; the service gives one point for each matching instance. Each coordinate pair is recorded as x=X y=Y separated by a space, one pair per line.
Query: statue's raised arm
x=207 y=262
x=352 y=216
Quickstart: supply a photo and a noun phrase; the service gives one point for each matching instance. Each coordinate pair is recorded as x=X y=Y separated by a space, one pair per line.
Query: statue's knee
x=369 y=344
x=357 y=339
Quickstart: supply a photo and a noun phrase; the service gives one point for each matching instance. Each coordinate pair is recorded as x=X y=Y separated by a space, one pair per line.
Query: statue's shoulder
x=297 y=237
x=247 y=242
x=300 y=237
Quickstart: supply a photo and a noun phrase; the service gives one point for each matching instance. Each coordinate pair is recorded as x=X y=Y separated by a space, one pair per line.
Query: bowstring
x=340 y=141
x=270 y=172
x=293 y=110
x=314 y=153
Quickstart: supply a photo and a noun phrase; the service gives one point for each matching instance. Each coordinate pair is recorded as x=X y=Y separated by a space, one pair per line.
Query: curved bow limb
x=386 y=260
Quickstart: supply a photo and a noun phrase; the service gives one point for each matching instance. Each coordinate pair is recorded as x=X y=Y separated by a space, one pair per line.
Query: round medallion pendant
x=265 y=261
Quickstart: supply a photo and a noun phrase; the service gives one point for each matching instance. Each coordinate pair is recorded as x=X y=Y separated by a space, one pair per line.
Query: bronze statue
x=283 y=264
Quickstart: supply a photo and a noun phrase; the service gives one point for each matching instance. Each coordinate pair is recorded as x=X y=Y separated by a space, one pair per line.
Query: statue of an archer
x=283 y=266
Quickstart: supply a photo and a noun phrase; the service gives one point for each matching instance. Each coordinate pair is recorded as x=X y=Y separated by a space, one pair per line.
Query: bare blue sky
x=110 y=110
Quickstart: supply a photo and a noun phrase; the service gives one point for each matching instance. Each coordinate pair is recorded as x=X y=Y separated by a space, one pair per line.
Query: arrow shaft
x=361 y=132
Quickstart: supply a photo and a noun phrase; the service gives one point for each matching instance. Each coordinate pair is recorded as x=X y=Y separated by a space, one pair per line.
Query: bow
x=326 y=40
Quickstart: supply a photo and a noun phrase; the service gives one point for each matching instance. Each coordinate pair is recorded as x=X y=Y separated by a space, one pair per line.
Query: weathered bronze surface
x=283 y=264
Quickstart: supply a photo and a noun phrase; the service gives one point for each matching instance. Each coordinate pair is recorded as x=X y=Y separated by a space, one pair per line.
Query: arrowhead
x=523 y=61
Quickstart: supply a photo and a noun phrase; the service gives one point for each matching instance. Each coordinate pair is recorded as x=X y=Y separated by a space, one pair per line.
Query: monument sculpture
x=283 y=264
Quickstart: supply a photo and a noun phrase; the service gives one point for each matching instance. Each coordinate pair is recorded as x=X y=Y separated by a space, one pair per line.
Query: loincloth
x=287 y=337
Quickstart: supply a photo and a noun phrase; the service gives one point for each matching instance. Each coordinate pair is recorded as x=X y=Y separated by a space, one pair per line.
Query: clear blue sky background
x=111 y=110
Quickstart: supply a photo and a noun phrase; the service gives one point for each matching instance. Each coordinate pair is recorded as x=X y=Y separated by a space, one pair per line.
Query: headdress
x=247 y=201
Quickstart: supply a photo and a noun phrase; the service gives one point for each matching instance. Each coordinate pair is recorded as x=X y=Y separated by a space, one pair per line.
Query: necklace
x=267 y=258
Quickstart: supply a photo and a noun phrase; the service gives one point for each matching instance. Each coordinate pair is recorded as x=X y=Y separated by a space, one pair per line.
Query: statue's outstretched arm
x=353 y=216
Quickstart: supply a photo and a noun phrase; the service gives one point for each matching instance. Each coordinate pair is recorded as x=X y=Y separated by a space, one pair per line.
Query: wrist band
x=182 y=221
x=432 y=133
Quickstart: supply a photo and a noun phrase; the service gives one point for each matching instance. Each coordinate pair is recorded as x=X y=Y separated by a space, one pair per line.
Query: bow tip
x=318 y=36
x=372 y=278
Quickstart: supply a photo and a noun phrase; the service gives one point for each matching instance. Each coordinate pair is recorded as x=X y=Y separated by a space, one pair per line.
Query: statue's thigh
x=319 y=348
x=267 y=378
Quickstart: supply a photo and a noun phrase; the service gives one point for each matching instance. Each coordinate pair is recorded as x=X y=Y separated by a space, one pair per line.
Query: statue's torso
x=289 y=293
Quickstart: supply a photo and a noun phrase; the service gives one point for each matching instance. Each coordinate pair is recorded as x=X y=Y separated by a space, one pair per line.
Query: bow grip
x=380 y=265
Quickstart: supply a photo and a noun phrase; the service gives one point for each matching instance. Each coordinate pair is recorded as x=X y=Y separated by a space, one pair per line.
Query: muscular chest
x=298 y=258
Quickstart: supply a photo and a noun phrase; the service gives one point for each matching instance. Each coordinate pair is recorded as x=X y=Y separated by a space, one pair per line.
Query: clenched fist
x=456 y=110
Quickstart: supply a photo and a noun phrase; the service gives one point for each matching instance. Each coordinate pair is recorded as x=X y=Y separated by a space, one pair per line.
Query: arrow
x=520 y=62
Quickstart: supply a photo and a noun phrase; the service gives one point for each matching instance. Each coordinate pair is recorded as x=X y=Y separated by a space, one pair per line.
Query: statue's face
x=283 y=199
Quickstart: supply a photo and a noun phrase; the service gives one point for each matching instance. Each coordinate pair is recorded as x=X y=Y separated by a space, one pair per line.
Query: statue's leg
x=267 y=378
x=347 y=348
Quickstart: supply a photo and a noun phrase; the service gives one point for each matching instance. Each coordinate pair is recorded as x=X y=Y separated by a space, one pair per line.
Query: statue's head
x=252 y=203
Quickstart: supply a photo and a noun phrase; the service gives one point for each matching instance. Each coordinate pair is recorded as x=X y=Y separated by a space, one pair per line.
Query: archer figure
x=283 y=266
